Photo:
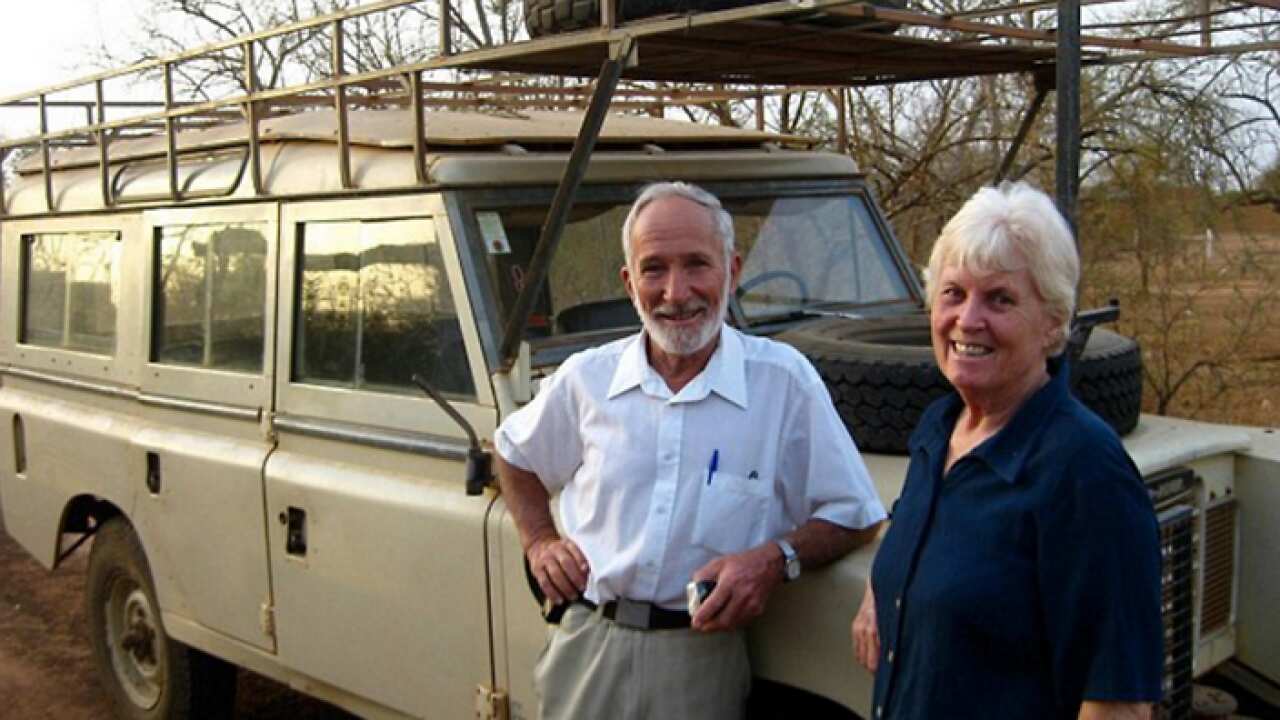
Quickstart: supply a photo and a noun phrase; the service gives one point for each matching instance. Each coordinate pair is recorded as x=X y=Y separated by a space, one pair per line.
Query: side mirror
x=1082 y=326
x=479 y=472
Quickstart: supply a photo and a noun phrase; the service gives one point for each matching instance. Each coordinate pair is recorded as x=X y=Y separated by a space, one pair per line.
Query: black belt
x=640 y=615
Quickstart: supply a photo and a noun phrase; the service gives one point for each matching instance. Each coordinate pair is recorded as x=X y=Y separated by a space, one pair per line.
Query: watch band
x=790 y=561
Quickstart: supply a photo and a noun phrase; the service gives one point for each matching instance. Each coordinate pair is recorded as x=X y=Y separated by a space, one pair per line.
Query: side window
x=374 y=307
x=70 y=290
x=210 y=296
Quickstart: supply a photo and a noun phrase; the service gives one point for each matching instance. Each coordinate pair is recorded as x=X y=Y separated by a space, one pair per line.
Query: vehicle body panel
x=1257 y=487
x=389 y=599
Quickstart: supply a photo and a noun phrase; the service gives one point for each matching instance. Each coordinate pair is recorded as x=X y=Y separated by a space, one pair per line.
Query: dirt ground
x=45 y=665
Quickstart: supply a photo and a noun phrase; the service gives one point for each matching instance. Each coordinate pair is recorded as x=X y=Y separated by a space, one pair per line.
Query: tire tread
x=881 y=376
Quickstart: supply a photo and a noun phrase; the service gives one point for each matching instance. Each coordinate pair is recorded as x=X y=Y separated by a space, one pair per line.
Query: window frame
x=120 y=367
x=408 y=413
x=225 y=387
x=464 y=204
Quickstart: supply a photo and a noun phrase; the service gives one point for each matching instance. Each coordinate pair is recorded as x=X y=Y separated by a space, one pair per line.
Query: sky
x=46 y=42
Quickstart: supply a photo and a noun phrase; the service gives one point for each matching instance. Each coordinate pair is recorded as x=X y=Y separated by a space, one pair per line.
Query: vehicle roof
x=300 y=157
x=393 y=129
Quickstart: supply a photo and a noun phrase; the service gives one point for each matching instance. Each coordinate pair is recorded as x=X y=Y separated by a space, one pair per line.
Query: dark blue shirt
x=1024 y=581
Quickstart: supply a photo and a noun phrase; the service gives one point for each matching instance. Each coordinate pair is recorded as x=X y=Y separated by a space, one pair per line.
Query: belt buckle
x=632 y=613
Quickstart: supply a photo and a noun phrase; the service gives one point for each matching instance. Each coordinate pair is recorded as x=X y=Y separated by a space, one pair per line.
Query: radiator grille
x=1177 y=545
x=1219 y=569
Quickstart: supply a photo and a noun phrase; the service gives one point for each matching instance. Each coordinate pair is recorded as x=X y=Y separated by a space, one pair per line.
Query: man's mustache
x=674 y=309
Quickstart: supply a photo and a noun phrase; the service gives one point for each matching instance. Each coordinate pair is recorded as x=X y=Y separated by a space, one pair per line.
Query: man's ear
x=625 y=272
x=735 y=270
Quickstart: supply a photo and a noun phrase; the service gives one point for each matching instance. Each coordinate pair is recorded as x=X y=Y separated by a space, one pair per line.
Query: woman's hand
x=866 y=638
x=1093 y=710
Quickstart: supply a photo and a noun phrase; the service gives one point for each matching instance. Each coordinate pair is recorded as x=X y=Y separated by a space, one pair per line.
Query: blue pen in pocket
x=711 y=469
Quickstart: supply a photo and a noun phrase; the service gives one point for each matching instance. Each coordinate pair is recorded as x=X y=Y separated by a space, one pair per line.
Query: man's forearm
x=528 y=501
x=819 y=542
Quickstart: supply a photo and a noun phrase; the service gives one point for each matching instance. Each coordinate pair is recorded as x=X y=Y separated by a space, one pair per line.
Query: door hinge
x=267 y=619
x=491 y=704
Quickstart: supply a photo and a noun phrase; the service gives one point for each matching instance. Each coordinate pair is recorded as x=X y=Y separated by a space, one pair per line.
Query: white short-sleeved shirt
x=633 y=461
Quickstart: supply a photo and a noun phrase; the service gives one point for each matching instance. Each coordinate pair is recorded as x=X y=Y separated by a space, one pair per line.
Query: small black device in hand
x=697 y=592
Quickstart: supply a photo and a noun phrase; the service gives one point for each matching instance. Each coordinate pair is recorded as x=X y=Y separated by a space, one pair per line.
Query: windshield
x=805 y=253
x=801 y=254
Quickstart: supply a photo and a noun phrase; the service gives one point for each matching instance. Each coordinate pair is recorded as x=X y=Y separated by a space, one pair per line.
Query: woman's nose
x=970 y=315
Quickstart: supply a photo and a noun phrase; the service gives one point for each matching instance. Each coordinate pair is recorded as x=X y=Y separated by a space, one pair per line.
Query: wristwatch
x=791 y=561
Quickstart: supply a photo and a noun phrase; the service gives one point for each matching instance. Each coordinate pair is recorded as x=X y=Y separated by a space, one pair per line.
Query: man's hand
x=743 y=583
x=866 y=636
x=559 y=567
x=557 y=563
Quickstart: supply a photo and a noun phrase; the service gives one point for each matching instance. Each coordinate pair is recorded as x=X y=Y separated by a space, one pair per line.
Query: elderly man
x=686 y=452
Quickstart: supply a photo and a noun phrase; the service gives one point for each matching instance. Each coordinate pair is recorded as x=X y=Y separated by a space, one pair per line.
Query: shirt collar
x=1006 y=451
x=725 y=373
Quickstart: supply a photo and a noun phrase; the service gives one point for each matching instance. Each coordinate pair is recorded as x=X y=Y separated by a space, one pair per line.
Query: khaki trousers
x=592 y=668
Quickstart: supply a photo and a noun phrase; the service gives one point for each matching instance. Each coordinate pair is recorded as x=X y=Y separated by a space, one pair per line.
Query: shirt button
x=890 y=656
x=897 y=602
x=879 y=711
x=662 y=509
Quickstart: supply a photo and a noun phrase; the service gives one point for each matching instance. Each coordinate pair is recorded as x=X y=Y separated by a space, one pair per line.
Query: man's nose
x=677 y=287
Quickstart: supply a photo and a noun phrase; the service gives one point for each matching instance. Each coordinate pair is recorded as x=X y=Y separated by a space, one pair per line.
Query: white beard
x=684 y=341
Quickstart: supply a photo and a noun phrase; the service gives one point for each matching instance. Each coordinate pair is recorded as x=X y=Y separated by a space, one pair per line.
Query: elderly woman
x=1020 y=577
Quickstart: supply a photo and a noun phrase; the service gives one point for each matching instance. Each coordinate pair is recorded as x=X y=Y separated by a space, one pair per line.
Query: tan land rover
x=208 y=351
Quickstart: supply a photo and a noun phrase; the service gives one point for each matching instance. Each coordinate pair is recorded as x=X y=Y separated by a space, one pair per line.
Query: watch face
x=791 y=566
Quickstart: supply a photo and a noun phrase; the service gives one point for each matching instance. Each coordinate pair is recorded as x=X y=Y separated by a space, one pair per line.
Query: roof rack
x=772 y=47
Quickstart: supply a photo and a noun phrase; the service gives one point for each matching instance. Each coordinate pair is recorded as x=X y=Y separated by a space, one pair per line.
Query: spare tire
x=545 y=17
x=882 y=375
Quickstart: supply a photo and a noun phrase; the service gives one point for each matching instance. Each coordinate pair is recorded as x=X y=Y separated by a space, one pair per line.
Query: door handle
x=153 y=473
x=295 y=531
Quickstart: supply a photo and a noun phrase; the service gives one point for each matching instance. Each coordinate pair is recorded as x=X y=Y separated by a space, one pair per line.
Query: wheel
x=147 y=674
x=802 y=298
x=882 y=375
x=544 y=17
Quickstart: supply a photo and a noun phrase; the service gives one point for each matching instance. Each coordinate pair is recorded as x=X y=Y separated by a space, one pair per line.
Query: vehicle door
x=69 y=333
x=205 y=390
x=377 y=553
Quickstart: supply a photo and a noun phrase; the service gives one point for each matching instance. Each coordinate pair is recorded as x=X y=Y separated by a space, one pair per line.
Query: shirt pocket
x=731 y=513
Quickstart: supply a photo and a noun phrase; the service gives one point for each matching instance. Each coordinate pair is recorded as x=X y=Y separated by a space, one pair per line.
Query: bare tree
x=384 y=39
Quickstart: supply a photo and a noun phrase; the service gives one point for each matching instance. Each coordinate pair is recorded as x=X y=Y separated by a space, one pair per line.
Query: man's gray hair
x=1006 y=229
x=720 y=218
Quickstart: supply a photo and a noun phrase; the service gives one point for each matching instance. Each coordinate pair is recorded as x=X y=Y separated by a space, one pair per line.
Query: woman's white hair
x=1010 y=228
x=720 y=219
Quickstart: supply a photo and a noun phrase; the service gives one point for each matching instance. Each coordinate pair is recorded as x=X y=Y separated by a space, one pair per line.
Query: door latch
x=295 y=531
